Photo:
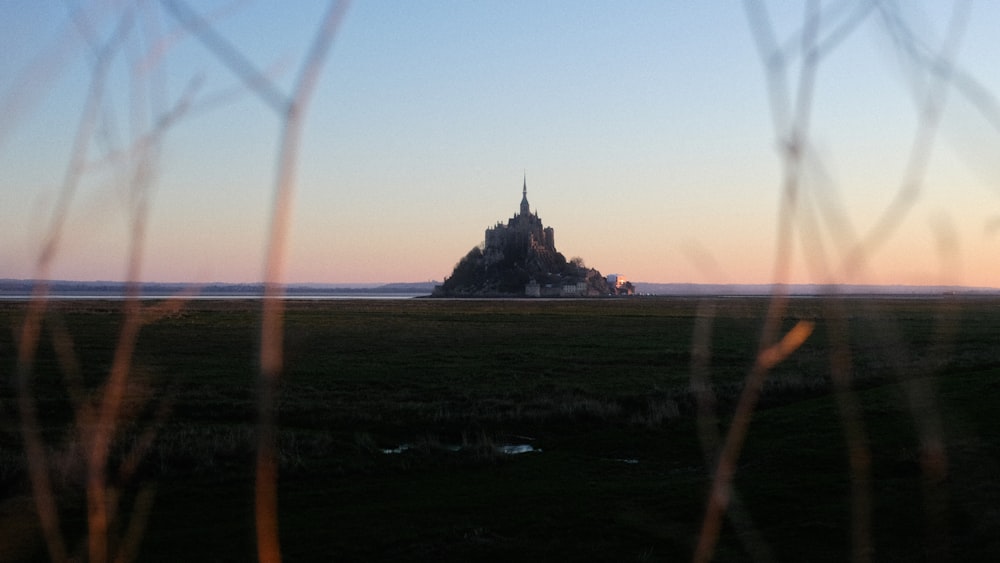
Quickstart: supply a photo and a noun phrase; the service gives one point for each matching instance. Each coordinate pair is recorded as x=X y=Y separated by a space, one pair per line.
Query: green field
x=600 y=389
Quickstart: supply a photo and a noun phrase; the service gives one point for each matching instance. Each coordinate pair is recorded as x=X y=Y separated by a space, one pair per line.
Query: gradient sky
x=646 y=131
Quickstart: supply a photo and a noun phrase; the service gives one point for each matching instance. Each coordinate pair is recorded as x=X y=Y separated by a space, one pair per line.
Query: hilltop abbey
x=520 y=259
x=524 y=230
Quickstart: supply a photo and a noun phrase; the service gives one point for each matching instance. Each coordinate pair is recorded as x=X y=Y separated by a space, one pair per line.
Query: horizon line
x=345 y=284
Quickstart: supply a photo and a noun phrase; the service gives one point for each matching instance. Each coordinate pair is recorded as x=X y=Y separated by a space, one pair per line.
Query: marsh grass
x=349 y=396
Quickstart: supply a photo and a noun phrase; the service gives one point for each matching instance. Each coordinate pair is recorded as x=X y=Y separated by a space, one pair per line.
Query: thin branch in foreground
x=271 y=344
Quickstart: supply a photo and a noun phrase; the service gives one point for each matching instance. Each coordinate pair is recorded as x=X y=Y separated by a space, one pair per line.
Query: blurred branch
x=229 y=55
x=929 y=111
x=271 y=345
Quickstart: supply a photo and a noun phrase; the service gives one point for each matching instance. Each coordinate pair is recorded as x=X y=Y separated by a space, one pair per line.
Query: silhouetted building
x=519 y=258
x=525 y=234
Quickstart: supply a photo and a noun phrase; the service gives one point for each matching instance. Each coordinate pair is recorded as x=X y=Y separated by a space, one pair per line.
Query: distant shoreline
x=57 y=296
x=63 y=289
x=11 y=289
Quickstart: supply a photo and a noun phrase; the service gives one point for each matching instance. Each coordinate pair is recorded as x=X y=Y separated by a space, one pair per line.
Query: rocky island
x=520 y=259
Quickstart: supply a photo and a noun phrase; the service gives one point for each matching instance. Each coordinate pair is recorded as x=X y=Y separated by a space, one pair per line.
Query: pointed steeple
x=524 y=197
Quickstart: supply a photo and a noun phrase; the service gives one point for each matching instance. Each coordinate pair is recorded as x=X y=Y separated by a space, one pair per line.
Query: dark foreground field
x=393 y=418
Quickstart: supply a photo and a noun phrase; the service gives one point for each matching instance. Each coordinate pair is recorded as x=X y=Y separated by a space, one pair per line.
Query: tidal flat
x=478 y=430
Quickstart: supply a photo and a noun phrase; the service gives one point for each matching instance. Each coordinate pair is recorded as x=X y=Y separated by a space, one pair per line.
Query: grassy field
x=602 y=391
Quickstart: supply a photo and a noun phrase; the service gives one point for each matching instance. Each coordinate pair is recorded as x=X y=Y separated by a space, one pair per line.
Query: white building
x=616 y=280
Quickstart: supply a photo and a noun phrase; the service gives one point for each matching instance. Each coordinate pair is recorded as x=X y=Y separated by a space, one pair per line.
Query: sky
x=652 y=137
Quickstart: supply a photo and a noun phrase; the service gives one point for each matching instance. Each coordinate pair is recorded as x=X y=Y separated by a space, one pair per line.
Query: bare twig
x=271 y=346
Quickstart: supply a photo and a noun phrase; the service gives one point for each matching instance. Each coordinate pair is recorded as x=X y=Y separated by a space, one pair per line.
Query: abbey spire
x=524 y=198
